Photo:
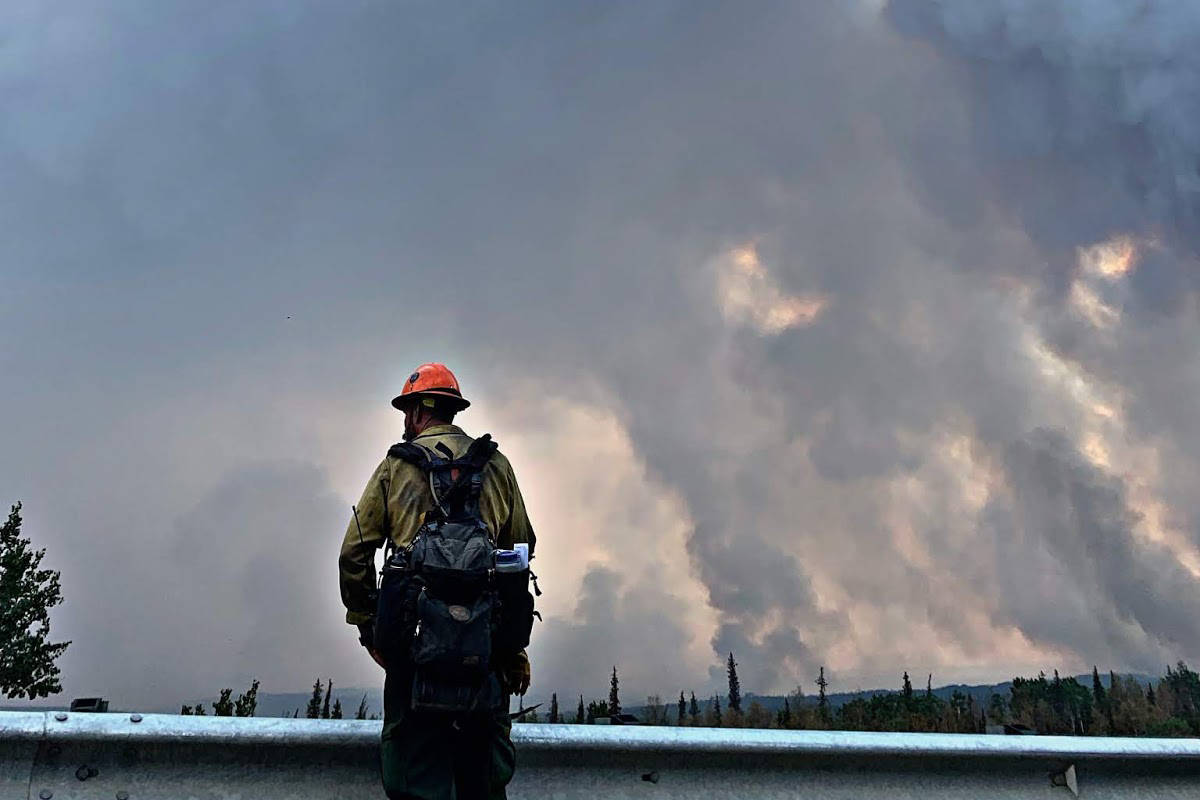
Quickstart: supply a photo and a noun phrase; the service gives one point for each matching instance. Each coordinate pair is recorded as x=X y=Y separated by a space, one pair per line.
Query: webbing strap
x=464 y=490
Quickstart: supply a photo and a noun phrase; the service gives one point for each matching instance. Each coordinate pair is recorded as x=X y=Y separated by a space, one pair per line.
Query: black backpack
x=444 y=612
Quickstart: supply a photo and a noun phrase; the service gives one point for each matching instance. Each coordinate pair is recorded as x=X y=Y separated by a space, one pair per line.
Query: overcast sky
x=860 y=334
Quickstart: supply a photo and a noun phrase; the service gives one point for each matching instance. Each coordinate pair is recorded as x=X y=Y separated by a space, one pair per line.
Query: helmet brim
x=403 y=401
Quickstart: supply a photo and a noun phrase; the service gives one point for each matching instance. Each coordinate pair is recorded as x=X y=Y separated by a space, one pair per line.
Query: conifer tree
x=716 y=705
x=313 y=710
x=553 y=709
x=614 y=699
x=908 y=692
x=682 y=708
x=785 y=715
x=1098 y=693
x=247 y=703
x=579 y=712
x=336 y=713
x=199 y=710
x=735 y=686
x=361 y=713
x=597 y=709
x=929 y=687
x=224 y=705
x=822 y=700
x=325 y=705
x=694 y=709
x=27 y=593
x=1114 y=689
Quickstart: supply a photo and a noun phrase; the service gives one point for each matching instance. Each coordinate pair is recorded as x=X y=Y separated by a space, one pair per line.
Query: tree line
x=246 y=704
x=1168 y=707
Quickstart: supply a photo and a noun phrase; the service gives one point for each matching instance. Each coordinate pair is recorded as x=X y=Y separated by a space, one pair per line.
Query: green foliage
x=784 y=718
x=682 y=709
x=614 y=697
x=735 y=686
x=756 y=716
x=597 y=708
x=224 y=705
x=580 y=713
x=694 y=709
x=336 y=713
x=714 y=713
x=1169 y=728
x=325 y=704
x=244 y=706
x=247 y=703
x=1183 y=687
x=822 y=700
x=553 y=718
x=1099 y=695
x=313 y=709
x=27 y=593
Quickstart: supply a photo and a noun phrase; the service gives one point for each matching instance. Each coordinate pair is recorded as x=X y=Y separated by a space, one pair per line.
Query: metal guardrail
x=60 y=756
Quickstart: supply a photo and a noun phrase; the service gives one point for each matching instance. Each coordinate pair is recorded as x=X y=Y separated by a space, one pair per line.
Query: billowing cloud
x=824 y=334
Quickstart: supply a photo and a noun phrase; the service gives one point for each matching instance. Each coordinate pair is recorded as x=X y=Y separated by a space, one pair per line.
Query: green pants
x=427 y=756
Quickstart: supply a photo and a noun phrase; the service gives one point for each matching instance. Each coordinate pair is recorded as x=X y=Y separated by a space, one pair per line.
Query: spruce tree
x=735 y=686
x=908 y=692
x=579 y=712
x=822 y=700
x=313 y=710
x=1098 y=693
x=716 y=703
x=682 y=708
x=614 y=700
x=553 y=709
x=785 y=715
x=199 y=710
x=27 y=593
x=224 y=705
x=247 y=703
x=325 y=705
x=361 y=713
x=1110 y=707
x=336 y=713
x=693 y=708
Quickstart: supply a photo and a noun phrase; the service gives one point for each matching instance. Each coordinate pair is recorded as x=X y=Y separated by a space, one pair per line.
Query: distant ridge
x=982 y=694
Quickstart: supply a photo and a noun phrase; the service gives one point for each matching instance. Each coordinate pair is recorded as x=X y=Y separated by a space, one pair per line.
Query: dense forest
x=1112 y=705
x=1118 y=706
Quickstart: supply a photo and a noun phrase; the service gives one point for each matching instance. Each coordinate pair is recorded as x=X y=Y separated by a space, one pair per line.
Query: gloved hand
x=515 y=673
x=366 y=637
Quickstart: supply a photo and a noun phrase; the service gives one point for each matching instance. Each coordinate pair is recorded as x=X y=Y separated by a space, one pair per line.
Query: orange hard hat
x=431 y=380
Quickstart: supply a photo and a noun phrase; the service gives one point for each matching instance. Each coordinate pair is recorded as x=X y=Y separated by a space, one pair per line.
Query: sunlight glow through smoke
x=748 y=294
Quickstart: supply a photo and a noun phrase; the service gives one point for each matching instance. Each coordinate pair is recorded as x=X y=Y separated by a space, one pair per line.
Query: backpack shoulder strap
x=412 y=453
x=479 y=453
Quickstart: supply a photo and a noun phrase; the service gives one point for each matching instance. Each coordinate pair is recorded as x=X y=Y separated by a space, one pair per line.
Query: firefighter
x=429 y=755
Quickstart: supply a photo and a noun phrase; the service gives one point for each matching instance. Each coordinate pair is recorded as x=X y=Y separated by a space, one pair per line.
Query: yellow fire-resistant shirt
x=393 y=507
